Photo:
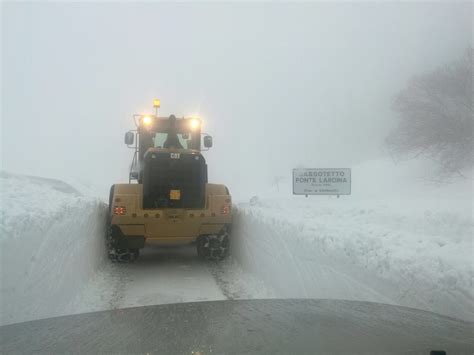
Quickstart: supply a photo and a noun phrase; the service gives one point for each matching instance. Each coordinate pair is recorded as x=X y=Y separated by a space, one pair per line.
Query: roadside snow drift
x=397 y=239
x=52 y=243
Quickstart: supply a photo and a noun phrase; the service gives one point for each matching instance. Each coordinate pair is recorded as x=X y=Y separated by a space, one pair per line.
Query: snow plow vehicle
x=168 y=200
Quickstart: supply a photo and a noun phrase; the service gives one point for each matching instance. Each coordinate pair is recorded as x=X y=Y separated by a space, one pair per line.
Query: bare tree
x=436 y=117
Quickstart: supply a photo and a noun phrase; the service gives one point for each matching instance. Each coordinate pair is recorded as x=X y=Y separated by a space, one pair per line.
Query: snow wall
x=52 y=243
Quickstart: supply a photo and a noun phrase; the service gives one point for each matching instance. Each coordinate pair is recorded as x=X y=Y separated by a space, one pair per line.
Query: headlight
x=194 y=123
x=146 y=120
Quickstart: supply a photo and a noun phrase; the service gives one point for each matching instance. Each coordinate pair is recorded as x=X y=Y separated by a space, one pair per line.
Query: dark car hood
x=245 y=326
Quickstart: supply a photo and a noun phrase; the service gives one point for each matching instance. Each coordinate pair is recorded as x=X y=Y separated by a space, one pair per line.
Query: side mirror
x=207 y=141
x=129 y=138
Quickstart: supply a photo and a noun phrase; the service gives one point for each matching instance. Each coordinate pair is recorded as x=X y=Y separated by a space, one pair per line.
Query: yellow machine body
x=169 y=226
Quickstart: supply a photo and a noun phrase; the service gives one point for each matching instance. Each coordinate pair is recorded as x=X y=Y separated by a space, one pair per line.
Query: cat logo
x=175 y=155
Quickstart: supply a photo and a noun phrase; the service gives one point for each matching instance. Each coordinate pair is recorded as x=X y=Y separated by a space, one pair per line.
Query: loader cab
x=164 y=132
x=154 y=132
x=168 y=133
x=168 y=161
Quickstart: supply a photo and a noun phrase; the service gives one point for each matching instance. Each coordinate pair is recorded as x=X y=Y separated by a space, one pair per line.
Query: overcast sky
x=278 y=85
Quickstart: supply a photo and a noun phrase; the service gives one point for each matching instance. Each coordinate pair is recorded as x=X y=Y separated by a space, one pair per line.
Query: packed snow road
x=165 y=275
x=159 y=276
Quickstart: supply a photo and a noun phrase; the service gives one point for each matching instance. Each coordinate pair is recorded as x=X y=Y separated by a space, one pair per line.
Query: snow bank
x=403 y=241
x=51 y=244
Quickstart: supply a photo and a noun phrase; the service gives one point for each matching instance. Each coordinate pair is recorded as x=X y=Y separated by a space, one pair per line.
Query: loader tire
x=213 y=247
x=117 y=254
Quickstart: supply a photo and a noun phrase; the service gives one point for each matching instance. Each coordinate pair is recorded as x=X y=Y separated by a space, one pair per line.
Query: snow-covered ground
x=51 y=243
x=399 y=238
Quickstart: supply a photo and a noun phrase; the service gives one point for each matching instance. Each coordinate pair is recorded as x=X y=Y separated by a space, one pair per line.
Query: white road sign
x=321 y=181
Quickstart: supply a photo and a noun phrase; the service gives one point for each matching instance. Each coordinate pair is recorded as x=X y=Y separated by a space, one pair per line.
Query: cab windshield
x=184 y=140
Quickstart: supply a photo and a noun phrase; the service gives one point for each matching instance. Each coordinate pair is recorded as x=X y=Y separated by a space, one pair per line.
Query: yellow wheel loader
x=168 y=199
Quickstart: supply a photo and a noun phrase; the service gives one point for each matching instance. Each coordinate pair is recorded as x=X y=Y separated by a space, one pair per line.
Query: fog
x=277 y=85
